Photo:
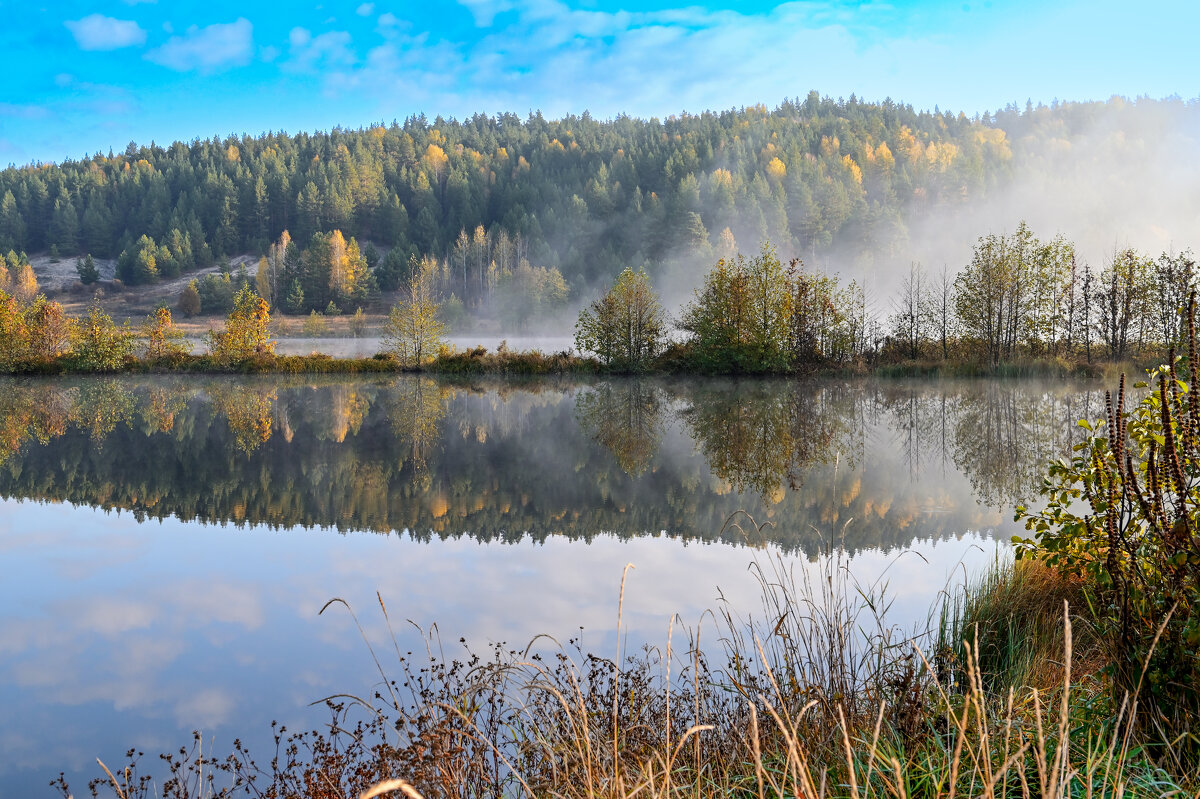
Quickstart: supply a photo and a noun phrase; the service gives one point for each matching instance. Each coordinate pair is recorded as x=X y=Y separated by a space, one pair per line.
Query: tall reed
x=813 y=696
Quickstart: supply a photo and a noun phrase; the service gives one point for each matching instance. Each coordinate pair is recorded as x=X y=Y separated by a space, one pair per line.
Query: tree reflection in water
x=625 y=418
x=897 y=460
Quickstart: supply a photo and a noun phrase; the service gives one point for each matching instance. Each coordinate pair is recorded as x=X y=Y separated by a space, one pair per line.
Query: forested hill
x=585 y=195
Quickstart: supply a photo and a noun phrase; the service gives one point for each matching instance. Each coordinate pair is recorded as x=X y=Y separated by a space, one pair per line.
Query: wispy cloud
x=485 y=11
x=15 y=111
x=545 y=54
x=208 y=49
x=328 y=51
x=366 y=9
x=98 y=32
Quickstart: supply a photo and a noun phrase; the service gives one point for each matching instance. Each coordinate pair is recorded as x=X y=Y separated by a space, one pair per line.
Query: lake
x=169 y=542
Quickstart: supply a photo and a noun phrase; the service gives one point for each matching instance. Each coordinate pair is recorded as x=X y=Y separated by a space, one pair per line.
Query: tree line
x=577 y=194
x=1024 y=297
x=1020 y=297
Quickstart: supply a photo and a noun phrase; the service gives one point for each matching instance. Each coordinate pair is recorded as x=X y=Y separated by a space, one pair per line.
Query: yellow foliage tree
x=163 y=339
x=245 y=333
x=14 y=333
x=412 y=332
x=49 y=329
x=25 y=285
x=99 y=344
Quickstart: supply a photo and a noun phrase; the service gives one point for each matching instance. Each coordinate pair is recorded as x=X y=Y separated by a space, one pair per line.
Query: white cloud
x=365 y=9
x=18 y=111
x=546 y=54
x=330 y=50
x=485 y=11
x=98 y=32
x=207 y=49
x=298 y=37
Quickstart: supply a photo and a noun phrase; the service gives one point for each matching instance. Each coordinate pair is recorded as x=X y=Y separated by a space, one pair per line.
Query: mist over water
x=1103 y=175
x=1111 y=176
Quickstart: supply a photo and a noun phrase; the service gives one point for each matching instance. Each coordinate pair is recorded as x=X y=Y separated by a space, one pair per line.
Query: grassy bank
x=479 y=361
x=813 y=697
x=470 y=362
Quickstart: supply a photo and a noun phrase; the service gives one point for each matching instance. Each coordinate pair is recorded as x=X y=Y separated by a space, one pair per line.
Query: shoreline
x=479 y=361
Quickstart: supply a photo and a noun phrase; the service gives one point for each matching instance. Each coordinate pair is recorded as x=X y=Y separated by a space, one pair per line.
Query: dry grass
x=814 y=696
x=1014 y=613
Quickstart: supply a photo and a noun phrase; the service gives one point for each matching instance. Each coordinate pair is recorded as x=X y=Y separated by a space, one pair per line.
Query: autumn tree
x=245 y=332
x=25 y=285
x=982 y=293
x=164 y=340
x=824 y=322
x=1048 y=277
x=412 y=332
x=14 y=331
x=740 y=316
x=626 y=327
x=262 y=281
x=49 y=329
x=1173 y=280
x=189 y=299
x=358 y=323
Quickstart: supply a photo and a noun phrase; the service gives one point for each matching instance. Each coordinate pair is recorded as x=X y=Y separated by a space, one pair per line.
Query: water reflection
x=115 y=633
x=505 y=462
x=626 y=418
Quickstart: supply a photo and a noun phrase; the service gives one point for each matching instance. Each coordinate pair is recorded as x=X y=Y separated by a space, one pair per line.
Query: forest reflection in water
x=876 y=463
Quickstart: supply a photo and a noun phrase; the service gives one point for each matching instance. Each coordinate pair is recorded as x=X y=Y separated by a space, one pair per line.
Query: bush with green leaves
x=100 y=344
x=1124 y=514
x=626 y=328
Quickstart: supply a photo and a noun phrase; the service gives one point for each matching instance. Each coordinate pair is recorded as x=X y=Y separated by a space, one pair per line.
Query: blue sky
x=84 y=76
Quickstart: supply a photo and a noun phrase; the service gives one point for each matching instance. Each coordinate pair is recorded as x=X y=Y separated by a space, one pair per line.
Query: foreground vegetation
x=814 y=697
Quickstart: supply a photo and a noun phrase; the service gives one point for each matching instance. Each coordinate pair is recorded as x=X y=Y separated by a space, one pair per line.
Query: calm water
x=168 y=543
x=369 y=345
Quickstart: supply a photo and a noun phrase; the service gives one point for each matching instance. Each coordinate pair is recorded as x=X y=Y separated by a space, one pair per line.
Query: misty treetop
x=585 y=196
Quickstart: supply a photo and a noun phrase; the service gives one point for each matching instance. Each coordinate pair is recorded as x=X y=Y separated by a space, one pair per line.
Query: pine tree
x=86 y=268
x=12 y=225
x=64 y=225
x=295 y=298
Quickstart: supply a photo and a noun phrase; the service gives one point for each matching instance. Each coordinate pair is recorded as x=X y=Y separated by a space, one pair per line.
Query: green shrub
x=1135 y=540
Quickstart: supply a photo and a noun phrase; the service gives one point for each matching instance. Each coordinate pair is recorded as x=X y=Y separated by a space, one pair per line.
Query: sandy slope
x=60 y=281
